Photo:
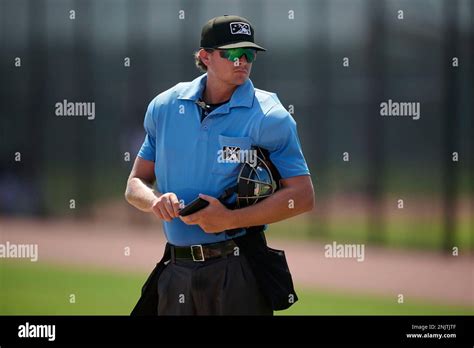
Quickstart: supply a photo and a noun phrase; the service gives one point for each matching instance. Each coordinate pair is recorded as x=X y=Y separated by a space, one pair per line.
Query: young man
x=187 y=127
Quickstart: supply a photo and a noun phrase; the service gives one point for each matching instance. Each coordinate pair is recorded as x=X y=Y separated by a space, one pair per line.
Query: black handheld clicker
x=194 y=206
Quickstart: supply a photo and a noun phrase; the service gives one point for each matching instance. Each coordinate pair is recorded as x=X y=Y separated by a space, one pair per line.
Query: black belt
x=203 y=252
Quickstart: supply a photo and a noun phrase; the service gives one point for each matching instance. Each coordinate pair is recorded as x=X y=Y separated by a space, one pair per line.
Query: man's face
x=230 y=72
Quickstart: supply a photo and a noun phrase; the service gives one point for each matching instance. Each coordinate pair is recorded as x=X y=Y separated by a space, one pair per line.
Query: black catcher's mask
x=258 y=182
x=255 y=182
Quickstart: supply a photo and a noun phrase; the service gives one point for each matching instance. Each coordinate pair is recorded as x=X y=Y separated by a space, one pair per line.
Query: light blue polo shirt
x=186 y=151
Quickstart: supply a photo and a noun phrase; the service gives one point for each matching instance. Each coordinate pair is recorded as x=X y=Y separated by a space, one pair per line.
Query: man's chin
x=240 y=80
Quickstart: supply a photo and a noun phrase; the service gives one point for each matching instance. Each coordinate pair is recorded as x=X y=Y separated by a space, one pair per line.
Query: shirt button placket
x=205 y=125
x=204 y=131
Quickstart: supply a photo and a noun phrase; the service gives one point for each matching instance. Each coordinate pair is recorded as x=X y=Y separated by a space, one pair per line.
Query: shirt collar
x=242 y=96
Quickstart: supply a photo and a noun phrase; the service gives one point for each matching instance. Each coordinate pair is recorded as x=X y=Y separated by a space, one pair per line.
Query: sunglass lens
x=234 y=54
x=250 y=54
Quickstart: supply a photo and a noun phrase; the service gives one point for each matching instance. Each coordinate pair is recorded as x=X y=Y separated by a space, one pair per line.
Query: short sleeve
x=147 y=151
x=278 y=134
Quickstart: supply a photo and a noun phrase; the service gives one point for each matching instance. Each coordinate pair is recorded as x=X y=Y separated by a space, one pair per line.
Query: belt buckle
x=199 y=247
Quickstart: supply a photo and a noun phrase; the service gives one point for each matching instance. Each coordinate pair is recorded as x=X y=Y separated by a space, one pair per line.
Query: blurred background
x=405 y=56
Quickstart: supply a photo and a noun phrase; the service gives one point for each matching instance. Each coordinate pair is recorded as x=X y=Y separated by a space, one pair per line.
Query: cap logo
x=238 y=28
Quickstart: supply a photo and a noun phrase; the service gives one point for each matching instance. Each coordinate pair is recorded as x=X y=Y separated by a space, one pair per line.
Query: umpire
x=188 y=128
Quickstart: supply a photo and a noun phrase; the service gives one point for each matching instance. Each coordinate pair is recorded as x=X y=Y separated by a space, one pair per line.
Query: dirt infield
x=415 y=274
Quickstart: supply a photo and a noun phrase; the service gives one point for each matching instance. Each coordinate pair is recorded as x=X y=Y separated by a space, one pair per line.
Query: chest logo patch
x=231 y=153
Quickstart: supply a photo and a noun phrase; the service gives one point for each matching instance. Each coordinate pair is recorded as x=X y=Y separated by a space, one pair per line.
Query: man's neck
x=217 y=92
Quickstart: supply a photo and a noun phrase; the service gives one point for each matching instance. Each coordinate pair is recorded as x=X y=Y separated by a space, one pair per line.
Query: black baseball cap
x=227 y=31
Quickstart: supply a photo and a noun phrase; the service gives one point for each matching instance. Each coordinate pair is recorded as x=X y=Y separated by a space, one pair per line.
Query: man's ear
x=205 y=56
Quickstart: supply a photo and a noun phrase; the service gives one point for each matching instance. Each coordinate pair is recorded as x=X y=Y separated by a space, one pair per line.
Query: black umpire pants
x=220 y=286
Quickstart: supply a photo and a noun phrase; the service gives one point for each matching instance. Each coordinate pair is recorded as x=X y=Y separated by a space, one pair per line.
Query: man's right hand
x=166 y=206
x=140 y=194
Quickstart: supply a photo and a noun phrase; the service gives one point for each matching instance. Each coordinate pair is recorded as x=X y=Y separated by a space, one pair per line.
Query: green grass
x=337 y=303
x=36 y=289
x=39 y=289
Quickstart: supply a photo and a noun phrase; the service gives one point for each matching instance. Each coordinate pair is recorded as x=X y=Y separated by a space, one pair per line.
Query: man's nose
x=243 y=60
